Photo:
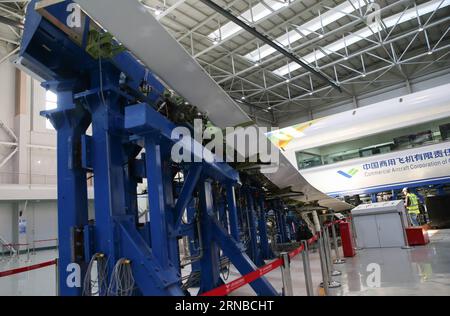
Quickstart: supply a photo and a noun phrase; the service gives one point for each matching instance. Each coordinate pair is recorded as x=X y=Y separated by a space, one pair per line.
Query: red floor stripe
x=29 y=268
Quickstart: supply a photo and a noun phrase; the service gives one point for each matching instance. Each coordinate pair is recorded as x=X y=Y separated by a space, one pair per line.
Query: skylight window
x=366 y=32
x=312 y=26
x=256 y=13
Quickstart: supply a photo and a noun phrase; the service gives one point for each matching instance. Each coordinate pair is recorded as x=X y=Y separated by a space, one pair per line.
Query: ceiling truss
x=392 y=54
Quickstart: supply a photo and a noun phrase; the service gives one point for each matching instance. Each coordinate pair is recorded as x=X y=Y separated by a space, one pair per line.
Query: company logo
x=349 y=174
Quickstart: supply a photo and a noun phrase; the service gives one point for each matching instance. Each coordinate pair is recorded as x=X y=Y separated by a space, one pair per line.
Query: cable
x=100 y=73
x=101 y=80
x=122 y=280
x=87 y=282
x=196 y=215
x=225 y=265
x=100 y=284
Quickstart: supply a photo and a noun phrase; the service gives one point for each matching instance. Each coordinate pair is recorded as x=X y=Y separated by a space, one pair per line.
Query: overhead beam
x=15 y=14
x=166 y=11
x=11 y=22
x=356 y=54
x=268 y=41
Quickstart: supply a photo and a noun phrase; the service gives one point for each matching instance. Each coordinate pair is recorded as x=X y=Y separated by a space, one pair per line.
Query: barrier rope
x=45 y=240
x=28 y=268
x=219 y=291
x=252 y=276
x=243 y=280
x=31 y=243
x=13 y=245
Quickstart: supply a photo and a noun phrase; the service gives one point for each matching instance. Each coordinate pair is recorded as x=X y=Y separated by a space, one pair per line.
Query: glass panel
x=401 y=139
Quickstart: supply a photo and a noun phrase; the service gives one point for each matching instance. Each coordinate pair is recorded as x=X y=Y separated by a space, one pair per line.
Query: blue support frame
x=266 y=252
x=70 y=121
x=124 y=121
x=156 y=198
x=210 y=261
x=253 y=234
x=232 y=211
x=240 y=260
x=281 y=221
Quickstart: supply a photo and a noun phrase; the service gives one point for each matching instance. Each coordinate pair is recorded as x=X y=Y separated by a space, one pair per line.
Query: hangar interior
x=351 y=97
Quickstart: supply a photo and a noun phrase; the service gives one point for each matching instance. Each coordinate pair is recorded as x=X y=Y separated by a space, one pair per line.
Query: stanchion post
x=354 y=235
x=405 y=237
x=323 y=265
x=327 y=250
x=307 y=269
x=57 y=276
x=338 y=259
x=286 y=274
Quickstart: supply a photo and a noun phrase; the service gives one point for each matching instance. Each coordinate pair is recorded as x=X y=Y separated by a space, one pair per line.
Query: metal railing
x=14 y=250
x=325 y=247
x=33 y=178
x=6 y=247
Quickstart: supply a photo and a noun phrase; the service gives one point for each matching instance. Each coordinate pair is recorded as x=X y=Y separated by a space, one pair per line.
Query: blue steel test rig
x=100 y=84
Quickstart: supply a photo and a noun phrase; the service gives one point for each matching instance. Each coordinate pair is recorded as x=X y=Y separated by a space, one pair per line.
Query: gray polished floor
x=41 y=282
x=423 y=270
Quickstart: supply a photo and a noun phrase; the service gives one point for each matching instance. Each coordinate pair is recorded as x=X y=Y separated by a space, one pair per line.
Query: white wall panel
x=42 y=222
x=6 y=209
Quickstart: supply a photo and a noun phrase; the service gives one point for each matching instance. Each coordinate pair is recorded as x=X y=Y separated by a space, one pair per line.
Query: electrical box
x=380 y=225
x=347 y=239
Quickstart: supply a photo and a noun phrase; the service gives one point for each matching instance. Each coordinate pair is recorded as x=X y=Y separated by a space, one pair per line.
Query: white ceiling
x=336 y=37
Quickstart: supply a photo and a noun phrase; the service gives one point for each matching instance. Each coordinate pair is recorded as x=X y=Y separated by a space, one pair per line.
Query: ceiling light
x=255 y=13
x=269 y=108
x=313 y=26
x=288 y=80
x=310 y=93
x=243 y=98
x=430 y=52
x=257 y=65
x=158 y=11
x=420 y=29
x=320 y=35
x=215 y=41
x=366 y=32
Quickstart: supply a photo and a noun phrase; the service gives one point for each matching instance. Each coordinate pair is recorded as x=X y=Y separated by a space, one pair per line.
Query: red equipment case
x=347 y=240
x=417 y=236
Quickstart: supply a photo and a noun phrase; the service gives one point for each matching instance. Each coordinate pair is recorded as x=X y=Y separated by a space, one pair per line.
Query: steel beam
x=269 y=42
x=71 y=122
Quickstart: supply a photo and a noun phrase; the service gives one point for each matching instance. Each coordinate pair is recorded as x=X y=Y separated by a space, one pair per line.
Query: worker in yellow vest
x=412 y=204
